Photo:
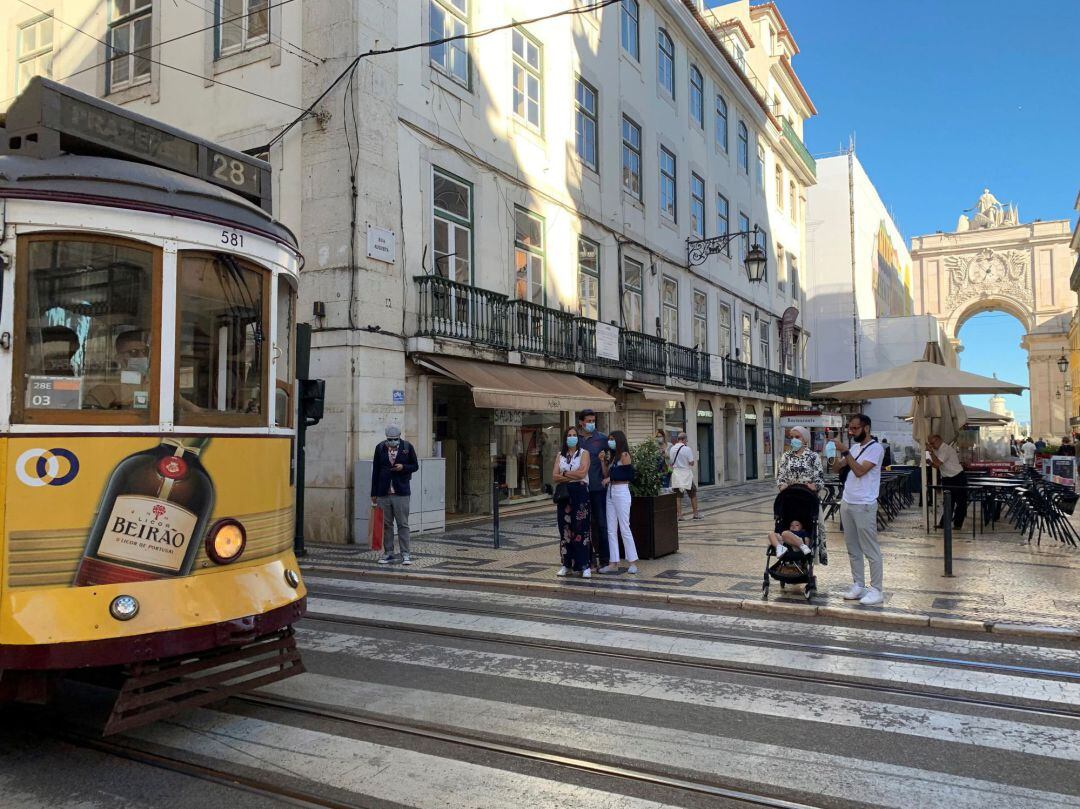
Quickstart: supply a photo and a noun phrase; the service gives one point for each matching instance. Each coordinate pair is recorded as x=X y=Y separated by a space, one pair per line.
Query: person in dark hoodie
x=391 y=469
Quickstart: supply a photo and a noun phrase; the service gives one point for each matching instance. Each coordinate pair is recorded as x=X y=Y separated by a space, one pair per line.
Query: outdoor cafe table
x=990 y=488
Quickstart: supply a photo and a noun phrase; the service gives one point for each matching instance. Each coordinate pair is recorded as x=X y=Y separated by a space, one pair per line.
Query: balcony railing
x=456 y=311
x=793 y=138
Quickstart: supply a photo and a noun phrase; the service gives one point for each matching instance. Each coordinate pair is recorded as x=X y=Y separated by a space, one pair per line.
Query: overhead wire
x=286 y=45
x=353 y=63
x=159 y=62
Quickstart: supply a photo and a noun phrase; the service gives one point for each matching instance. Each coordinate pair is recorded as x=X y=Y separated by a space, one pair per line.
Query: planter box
x=656 y=530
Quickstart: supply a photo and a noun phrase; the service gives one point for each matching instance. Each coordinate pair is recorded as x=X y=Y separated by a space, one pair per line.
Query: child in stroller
x=793 y=543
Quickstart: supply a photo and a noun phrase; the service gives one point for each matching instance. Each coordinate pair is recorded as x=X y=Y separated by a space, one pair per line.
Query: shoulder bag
x=843 y=473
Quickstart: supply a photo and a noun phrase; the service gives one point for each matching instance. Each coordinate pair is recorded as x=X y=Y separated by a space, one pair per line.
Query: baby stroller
x=795 y=503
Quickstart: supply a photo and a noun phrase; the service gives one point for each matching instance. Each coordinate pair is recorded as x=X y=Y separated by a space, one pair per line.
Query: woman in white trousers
x=617 y=476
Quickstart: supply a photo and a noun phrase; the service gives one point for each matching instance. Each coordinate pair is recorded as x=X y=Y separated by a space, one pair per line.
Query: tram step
x=158 y=689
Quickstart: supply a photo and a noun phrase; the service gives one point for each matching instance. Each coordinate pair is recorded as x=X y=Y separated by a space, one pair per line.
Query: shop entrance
x=731 y=443
x=705 y=444
x=750 y=437
x=767 y=451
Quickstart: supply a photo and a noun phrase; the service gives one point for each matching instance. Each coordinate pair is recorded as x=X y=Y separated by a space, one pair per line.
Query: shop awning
x=652 y=393
x=512 y=387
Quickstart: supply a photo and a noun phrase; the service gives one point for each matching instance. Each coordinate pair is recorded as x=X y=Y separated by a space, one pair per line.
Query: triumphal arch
x=993 y=261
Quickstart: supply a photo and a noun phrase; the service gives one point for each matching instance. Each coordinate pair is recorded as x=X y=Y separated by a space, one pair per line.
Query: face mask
x=590 y=427
x=611 y=444
x=660 y=440
x=571 y=441
x=138 y=364
x=796 y=443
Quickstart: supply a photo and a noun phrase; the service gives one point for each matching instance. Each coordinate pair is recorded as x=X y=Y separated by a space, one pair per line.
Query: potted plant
x=652 y=514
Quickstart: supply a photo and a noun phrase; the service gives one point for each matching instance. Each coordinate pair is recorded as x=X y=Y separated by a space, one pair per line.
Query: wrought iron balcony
x=683 y=362
x=643 y=352
x=759 y=379
x=793 y=138
x=461 y=312
x=735 y=374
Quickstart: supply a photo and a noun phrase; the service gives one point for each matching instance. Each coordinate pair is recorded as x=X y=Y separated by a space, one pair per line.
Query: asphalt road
x=432 y=696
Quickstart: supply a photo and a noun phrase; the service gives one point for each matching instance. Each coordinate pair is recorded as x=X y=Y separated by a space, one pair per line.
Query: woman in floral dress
x=575 y=537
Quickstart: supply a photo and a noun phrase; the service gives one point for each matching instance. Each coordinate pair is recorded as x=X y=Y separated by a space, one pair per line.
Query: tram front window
x=86 y=341
x=221 y=345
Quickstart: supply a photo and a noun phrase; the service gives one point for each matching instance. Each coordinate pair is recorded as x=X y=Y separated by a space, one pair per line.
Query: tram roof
x=125 y=184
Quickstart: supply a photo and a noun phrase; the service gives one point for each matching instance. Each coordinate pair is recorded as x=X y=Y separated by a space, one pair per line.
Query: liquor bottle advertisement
x=94 y=510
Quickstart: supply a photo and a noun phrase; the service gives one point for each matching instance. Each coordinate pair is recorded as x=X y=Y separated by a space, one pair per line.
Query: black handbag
x=562 y=493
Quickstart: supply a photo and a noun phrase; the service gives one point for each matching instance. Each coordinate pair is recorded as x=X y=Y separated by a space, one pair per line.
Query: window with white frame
x=779 y=187
x=744 y=148
x=697 y=206
x=723 y=327
x=628 y=27
x=452 y=227
x=792 y=200
x=586 y=130
x=760 y=173
x=665 y=62
x=449 y=18
x=763 y=337
x=721 y=122
x=796 y=291
x=668 y=205
x=529 y=283
x=669 y=309
x=697 y=96
x=723 y=220
x=747 y=338
x=527 y=78
x=588 y=278
x=34 y=51
x=781 y=273
x=242 y=24
x=633 y=273
x=631 y=157
x=130 y=39
x=701 y=320
x=744 y=242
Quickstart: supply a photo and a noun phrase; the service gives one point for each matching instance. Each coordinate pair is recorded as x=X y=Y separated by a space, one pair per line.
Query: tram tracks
x=1029 y=707
x=518 y=750
x=715 y=637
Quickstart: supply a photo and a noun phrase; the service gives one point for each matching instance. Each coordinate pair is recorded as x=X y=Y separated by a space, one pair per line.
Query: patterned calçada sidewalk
x=998 y=577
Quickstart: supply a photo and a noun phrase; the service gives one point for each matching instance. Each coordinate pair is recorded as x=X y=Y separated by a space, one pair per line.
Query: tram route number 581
x=232 y=238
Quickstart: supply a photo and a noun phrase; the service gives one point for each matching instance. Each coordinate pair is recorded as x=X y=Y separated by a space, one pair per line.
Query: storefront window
x=220 y=341
x=89 y=331
x=527 y=443
x=674 y=420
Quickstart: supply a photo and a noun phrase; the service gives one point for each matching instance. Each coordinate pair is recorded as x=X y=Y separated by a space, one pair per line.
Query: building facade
x=993 y=261
x=496 y=228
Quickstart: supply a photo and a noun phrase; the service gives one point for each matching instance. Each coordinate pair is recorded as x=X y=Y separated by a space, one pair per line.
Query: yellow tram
x=147 y=410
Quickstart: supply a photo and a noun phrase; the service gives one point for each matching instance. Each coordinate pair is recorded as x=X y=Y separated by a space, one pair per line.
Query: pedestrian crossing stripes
x=544 y=684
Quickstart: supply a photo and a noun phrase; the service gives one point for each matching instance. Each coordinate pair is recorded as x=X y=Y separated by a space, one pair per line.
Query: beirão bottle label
x=147 y=531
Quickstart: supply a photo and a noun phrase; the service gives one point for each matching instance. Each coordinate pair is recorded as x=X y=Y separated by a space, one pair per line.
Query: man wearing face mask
x=595 y=443
x=132 y=387
x=858 y=509
x=392 y=468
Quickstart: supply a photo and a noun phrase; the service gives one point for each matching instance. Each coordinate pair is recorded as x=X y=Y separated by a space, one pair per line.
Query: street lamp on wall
x=697 y=250
x=1063 y=362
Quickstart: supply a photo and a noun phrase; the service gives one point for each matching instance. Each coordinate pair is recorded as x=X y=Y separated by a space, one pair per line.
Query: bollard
x=495 y=511
x=946 y=524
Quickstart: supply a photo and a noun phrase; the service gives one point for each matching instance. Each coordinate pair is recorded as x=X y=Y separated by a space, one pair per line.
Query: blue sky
x=945 y=97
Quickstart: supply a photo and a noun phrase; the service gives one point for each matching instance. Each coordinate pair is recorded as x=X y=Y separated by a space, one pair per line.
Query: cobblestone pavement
x=998 y=577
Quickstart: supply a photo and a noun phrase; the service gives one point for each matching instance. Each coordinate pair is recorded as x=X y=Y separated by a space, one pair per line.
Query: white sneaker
x=855 y=592
x=562 y=571
x=609 y=569
x=872 y=598
x=805 y=549
x=632 y=569
x=387 y=560
x=586 y=573
x=406 y=559
x=780 y=550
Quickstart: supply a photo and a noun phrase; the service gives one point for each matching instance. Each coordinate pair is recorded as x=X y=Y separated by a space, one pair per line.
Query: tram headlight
x=226 y=541
x=124 y=608
x=292 y=578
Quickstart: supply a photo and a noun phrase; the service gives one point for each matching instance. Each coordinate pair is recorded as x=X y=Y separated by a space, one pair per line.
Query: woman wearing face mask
x=618 y=472
x=571 y=476
x=800 y=465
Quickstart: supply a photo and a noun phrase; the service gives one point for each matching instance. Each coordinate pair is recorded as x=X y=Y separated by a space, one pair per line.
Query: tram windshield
x=89 y=322
x=90 y=334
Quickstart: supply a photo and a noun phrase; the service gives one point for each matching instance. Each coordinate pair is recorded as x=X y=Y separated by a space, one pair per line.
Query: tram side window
x=221 y=346
x=283 y=403
x=89 y=324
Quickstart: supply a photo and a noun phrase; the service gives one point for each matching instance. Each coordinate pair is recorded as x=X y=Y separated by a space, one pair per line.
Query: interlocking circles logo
x=47 y=467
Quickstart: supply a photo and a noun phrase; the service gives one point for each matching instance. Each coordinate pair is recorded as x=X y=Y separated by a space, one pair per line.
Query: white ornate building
x=995 y=262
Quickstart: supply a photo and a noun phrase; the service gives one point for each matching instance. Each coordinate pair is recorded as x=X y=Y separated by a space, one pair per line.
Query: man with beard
x=860 y=471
